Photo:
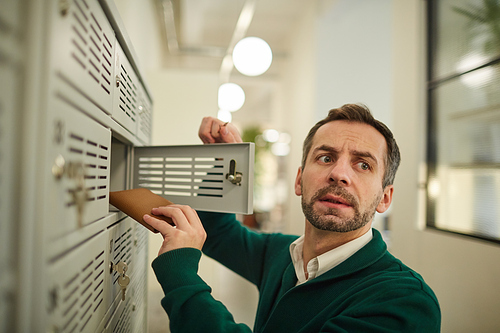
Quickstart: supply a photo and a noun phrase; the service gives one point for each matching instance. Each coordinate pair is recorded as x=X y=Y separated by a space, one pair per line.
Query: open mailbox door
x=215 y=178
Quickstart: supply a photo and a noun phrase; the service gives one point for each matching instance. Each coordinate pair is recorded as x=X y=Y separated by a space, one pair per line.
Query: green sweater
x=370 y=292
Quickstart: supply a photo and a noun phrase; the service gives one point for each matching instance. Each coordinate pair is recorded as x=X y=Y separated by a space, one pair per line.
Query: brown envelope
x=137 y=202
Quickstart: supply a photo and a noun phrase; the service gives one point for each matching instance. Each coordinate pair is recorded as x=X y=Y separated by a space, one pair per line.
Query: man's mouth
x=336 y=201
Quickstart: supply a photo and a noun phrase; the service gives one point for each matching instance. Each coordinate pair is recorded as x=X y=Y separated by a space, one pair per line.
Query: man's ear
x=386 y=200
x=298 y=182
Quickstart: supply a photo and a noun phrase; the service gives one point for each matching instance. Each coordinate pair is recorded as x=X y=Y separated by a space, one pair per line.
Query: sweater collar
x=363 y=258
x=325 y=262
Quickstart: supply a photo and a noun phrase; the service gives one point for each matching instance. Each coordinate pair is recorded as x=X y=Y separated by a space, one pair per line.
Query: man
x=337 y=277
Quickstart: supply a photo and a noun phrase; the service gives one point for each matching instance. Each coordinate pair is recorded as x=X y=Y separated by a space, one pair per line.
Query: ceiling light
x=271 y=135
x=252 y=56
x=231 y=97
x=280 y=149
x=224 y=116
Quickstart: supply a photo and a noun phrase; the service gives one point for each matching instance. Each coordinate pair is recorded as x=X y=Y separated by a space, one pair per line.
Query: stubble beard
x=331 y=219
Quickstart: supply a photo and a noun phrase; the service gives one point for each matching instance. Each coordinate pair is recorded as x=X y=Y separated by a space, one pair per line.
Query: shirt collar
x=326 y=261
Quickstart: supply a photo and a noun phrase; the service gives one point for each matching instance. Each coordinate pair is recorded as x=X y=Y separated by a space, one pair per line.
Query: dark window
x=463 y=187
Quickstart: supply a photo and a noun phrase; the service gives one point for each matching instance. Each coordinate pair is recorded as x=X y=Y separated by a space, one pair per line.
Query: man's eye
x=364 y=166
x=325 y=159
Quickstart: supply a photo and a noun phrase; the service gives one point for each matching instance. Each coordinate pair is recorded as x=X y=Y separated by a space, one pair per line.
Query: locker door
x=11 y=71
x=82 y=49
x=127 y=243
x=78 y=186
x=75 y=294
x=216 y=178
x=126 y=96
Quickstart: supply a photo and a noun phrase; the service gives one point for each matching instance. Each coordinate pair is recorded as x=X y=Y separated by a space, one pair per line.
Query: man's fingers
x=216 y=129
x=213 y=130
x=188 y=230
x=192 y=217
x=205 y=131
x=176 y=212
x=160 y=225
x=230 y=134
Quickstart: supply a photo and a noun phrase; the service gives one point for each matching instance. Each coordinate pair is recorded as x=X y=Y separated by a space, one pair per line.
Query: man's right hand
x=213 y=130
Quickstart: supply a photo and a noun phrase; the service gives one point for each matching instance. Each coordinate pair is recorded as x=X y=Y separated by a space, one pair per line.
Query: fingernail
x=224 y=130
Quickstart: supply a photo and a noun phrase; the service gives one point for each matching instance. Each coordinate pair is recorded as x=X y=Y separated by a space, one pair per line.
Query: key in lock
x=123 y=279
x=123 y=282
x=76 y=172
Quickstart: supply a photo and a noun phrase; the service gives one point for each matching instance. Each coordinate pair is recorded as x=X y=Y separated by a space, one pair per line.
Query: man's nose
x=340 y=172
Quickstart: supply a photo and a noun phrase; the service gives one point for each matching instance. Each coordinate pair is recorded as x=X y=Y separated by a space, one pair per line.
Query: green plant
x=484 y=20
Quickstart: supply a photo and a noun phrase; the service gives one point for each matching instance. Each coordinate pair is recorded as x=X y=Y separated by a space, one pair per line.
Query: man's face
x=341 y=183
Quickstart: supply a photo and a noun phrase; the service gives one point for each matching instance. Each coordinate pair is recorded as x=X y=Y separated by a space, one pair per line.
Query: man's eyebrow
x=365 y=154
x=358 y=153
x=329 y=149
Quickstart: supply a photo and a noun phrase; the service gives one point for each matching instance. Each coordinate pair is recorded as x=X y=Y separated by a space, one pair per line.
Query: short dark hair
x=361 y=114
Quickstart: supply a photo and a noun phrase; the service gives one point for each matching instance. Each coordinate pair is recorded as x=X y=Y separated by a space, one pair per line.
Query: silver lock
x=233 y=176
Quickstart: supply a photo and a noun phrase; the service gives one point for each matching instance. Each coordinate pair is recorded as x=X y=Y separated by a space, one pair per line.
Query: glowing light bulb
x=252 y=56
x=225 y=116
x=231 y=97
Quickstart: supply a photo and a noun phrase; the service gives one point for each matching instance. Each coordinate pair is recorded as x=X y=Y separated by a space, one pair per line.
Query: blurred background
x=428 y=69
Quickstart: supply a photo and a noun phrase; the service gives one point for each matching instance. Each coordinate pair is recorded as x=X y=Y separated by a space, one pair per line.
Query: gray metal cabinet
x=75 y=124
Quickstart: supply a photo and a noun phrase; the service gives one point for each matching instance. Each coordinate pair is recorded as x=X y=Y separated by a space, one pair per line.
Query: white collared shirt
x=326 y=261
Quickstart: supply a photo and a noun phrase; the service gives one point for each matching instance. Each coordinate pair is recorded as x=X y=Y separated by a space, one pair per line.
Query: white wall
x=298 y=91
x=353 y=58
x=181 y=99
x=140 y=21
x=463 y=272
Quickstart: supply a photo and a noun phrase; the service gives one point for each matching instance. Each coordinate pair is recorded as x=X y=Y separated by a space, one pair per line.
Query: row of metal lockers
x=75 y=124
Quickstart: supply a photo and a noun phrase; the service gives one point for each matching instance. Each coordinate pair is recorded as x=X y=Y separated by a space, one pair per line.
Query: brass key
x=123 y=281
x=121 y=267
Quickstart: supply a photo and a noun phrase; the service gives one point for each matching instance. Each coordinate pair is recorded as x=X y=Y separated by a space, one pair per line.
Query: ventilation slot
x=182 y=176
x=90 y=47
x=122 y=251
x=95 y=159
x=139 y=279
x=128 y=95
x=82 y=295
x=123 y=325
x=145 y=121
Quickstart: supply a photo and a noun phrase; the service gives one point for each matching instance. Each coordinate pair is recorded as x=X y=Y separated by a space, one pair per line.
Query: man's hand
x=187 y=232
x=213 y=130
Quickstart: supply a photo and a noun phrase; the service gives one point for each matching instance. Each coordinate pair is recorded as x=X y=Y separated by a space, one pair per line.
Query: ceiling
x=200 y=33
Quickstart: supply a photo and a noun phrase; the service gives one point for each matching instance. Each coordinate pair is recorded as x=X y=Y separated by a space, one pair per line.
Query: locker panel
x=144 y=124
x=9 y=108
x=121 y=321
x=78 y=179
x=126 y=95
x=82 y=49
x=11 y=71
x=139 y=279
x=75 y=293
x=199 y=175
x=127 y=241
x=121 y=242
